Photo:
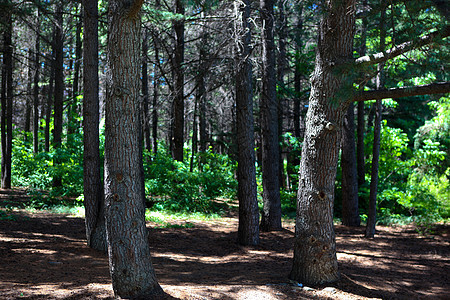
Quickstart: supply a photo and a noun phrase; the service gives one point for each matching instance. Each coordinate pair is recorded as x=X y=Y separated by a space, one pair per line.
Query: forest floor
x=44 y=256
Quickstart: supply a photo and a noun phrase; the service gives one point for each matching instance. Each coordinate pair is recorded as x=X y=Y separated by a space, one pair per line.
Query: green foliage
x=174 y=187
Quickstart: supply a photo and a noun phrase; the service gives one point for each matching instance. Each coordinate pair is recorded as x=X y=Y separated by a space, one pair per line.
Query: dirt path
x=44 y=256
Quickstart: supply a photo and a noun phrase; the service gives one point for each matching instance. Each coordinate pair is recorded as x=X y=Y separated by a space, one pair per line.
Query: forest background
x=189 y=106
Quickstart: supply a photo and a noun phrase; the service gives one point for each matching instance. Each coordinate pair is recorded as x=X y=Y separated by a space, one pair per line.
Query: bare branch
x=407 y=91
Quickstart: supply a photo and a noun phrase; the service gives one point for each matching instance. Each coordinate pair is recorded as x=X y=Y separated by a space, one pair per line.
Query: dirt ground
x=44 y=256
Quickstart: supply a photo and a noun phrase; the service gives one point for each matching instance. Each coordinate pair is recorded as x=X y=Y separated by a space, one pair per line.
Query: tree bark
x=155 y=99
x=37 y=67
x=315 y=259
x=131 y=268
x=7 y=99
x=48 y=108
x=271 y=217
x=27 y=125
x=145 y=111
x=59 y=90
x=178 y=107
x=92 y=182
x=350 y=211
x=248 y=230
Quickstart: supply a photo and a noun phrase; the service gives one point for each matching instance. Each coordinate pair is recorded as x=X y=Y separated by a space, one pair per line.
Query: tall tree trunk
x=178 y=106
x=7 y=99
x=73 y=106
x=361 y=123
x=271 y=218
x=37 y=67
x=27 y=125
x=372 y=213
x=145 y=111
x=281 y=70
x=155 y=98
x=59 y=90
x=92 y=182
x=248 y=230
x=315 y=259
x=48 y=108
x=350 y=210
x=131 y=268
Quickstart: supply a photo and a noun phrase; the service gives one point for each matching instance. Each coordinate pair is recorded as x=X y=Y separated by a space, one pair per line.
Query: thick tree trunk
x=59 y=90
x=248 y=231
x=371 y=215
x=271 y=218
x=7 y=100
x=131 y=268
x=178 y=106
x=37 y=67
x=315 y=259
x=93 y=185
x=350 y=211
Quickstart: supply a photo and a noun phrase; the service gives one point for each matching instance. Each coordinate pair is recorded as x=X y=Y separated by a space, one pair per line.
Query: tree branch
x=372 y=59
x=407 y=91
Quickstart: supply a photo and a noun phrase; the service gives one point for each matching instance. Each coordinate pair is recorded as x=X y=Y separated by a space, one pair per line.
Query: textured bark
x=59 y=89
x=372 y=211
x=271 y=217
x=155 y=100
x=73 y=106
x=7 y=100
x=27 y=125
x=248 y=230
x=350 y=211
x=37 y=66
x=48 y=108
x=178 y=106
x=315 y=259
x=92 y=182
x=130 y=263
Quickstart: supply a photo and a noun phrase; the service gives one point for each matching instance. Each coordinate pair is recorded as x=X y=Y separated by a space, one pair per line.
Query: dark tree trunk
x=145 y=111
x=361 y=123
x=7 y=100
x=48 y=108
x=37 y=67
x=178 y=106
x=59 y=90
x=73 y=106
x=92 y=182
x=155 y=99
x=281 y=70
x=271 y=217
x=248 y=231
x=131 y=268
x=350 y=210
x=372 y=213
x=27 y=125
x=315 y=259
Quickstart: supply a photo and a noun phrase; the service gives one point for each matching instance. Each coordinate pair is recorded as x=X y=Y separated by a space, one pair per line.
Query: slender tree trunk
x=372 y=213
x=315 y=259
x=7 y=100
x=248 y=230
x=178 y=107
x=361 y=123
x=73 y=106
x=155 y=99
x=281 y=70
x=145 y=112
x=37 y=67
x=27 y=125
x=131 y=268
x=48 y=109
x=271 y=218
x=59 y=90
x=92 y=182
x=350 y=210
